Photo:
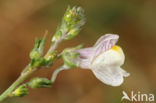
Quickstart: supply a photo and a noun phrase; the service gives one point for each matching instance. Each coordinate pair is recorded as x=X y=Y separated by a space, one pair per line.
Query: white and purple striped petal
x=105 y=43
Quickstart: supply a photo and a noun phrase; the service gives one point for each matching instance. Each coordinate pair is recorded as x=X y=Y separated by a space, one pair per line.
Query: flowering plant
x=104 y=58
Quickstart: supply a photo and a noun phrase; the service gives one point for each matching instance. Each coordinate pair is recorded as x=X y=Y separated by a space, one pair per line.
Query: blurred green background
x=134 y=20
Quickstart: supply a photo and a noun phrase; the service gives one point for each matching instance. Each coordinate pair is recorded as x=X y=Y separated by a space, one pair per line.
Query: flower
x=104 y=59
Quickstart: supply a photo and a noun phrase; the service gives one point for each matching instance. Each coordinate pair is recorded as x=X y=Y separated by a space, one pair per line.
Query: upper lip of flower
x=105 y=43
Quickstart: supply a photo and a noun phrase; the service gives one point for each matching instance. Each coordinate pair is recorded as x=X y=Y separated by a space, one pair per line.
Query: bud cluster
x=71 y=24
x=36 y=55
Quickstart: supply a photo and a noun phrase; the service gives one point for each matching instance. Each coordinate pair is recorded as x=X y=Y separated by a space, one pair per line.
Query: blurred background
x=21 y=21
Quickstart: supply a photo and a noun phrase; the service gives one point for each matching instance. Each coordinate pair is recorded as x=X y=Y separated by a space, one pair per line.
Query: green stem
x=54 y=45
x=55 y=73
x=21 y=78
x=26 y=72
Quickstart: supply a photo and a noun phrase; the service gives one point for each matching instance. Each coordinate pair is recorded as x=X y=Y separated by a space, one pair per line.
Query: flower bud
x=74 y=19
x=37 y=51
x=49 y=59
x=71 y=24
x=74 y=15
x=39 y=83
x=20 y=91
x=46 y=61
x=36 y=54
x=37 y=62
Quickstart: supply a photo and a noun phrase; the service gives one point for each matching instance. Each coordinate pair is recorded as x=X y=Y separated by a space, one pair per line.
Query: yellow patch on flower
x=117 y=49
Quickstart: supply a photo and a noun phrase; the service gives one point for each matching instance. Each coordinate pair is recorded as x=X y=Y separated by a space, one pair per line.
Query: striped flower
x=104 y=59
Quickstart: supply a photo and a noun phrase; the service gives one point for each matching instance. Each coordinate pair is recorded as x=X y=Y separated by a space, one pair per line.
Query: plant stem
x=26 y=72
x=54 y=46
x=21 y=78
x=55 y=73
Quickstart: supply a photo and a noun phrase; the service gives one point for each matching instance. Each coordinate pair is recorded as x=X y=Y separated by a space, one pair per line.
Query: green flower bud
x=20 y=91
x=72 y=33
x=34 y=54
x=74 y=16
x=49 y=59
x=37 y=51
x=39 y=83
x=69 y=14
x=71 y=24
x=74 y=19
x=37 y=62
